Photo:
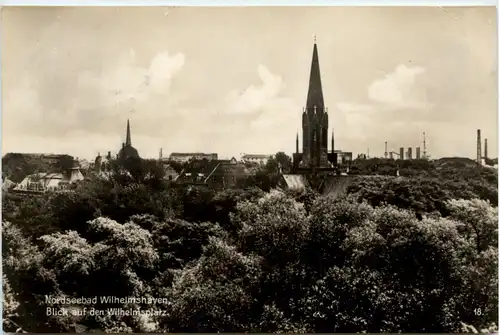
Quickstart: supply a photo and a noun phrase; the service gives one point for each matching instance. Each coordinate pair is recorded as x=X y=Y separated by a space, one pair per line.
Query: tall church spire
x=128 y=141
x=315 y=93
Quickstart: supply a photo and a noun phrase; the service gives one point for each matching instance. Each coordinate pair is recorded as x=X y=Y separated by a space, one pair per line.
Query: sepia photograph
x=249 y=169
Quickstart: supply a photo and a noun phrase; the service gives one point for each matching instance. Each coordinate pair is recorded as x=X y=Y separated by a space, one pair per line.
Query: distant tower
x=385 y=153
x=410 y=153
x=417 y=153
x=485 y=148
x=401 y=153
x=161 y=153
x=391 y=156
x=478 y=147
x=368 y=153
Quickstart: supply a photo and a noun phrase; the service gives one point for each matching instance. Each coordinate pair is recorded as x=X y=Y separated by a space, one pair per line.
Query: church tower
x=127 y=150
x=315 y=121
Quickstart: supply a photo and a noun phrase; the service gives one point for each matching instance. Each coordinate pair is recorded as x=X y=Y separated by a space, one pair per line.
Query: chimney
x=410 y=153
x=401 y=153
x=478 y=147
x=385 y=153
x=485 y=148
x=109 y=155
x=418 y=152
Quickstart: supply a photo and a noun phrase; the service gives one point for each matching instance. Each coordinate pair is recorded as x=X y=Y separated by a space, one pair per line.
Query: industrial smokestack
x=478 y=147
x=401 y=153
x=417 y=153
x=410 y=153
x=385 y=153
x=485 y=148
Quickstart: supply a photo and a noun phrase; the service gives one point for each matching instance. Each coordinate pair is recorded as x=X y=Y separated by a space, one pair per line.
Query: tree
x=284 y=161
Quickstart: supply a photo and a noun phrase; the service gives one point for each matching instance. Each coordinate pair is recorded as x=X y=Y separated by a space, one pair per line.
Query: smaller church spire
x=128 y=141
x=297 y=143
x=333 y=142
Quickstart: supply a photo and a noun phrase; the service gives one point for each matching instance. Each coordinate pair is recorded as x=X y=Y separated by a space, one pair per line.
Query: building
x=417 y=153
x=127 y=151
x=255 y=158
x=45 y=182
x=216 y=174
x=170 y=173
x=314 y=156
x=184 y=157
x=343 y=157
x=316 y=167
x=102 y=165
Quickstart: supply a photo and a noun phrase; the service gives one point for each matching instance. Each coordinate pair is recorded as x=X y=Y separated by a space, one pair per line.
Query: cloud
x=25 y=101
x=127 y=81
x=255 y=98
x=94 y=101
x=357 y=118
x=397 y=89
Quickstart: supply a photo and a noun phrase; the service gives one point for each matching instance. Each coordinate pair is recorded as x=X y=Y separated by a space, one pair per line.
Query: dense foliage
x=249 y=259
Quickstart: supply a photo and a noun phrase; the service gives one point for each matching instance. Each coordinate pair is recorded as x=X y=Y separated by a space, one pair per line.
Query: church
x=127 y=151
x=315 y=156
x=316 y=166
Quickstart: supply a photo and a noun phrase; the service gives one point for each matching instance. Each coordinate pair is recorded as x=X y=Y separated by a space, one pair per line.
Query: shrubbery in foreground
x=275 y=263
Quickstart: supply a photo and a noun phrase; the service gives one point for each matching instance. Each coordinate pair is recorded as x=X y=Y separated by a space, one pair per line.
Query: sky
x=234 y=80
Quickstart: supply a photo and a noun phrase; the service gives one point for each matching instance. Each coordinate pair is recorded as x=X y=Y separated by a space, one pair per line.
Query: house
x=255 y=158
x=295 y=182
x=44 y=182
x=183 y=157
x=216 y=174
x=227 y=174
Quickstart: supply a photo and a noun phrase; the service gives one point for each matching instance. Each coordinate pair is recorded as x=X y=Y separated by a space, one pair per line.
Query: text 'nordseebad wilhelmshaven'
x=103 y=300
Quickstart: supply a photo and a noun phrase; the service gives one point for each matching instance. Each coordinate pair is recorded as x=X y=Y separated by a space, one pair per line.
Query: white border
x=218 y=3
